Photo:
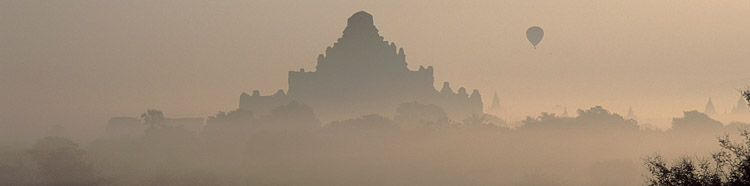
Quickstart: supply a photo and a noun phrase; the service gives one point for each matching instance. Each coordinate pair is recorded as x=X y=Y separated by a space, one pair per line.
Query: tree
x=598 y=117
x=292 y=116
x=730 y=166
x=367 y=122
x=235 y=117
x=695 y=121
x=62 y=162
x=591 y=120
x=546 y=120
x=227 y=128
x=415 y=115
x=746 y=94
x=153 y=118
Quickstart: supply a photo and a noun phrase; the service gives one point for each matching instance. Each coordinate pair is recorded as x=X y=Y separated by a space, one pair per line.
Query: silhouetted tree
x=292 y=116
x=494 y=120
x=594 y=121
x=546 y=120
x=683 y=172
x=731 y=166
x=167 y=136
x=153 y=118
x=599 y=117
x=695 y=121
x=595 y=118
x=367 y=122
x=228 y=128
x=62 y=162
x=17 y=167
x=416 y=115
x=478 y=121
x=239 y=116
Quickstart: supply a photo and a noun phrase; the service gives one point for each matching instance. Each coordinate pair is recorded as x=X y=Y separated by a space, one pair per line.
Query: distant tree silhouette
x=478 y=121
x=595 y=118
x=694 y=121
x=233 y=117
x=62 y=162
x=475 y=120
x=367 y=122
x=599 y=117
x=17 y=168
x=153 y=118
x=292 y=116
x=167 y=135
x=229 y=127
x=547 y=121
x=416 y=115
x=494 y=120
x=229 y=121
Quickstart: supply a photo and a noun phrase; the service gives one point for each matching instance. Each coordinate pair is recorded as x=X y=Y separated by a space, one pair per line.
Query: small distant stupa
x=710 y=109
x=630 y=114
x=565 y=112
x=496 y=107
x=741 y=107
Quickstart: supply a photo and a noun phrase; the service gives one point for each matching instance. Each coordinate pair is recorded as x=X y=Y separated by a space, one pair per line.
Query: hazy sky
x=85 y=61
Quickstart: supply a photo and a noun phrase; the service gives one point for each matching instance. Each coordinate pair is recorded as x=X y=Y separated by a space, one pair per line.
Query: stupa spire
x=630 y=113
x=495 y=103
x=710 y=109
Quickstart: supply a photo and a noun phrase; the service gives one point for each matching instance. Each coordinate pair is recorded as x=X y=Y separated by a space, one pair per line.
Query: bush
x=731 y=166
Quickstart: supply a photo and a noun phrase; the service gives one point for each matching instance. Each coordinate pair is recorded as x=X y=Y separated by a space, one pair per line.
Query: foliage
x=731 y=166
x=62 y=162
x=746 y=94
x=694 y=121
x=367 y=122
x=595 y=118
x=153 y=118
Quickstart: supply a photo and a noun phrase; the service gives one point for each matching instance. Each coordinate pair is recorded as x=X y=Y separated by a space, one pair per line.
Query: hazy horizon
x=194 y=58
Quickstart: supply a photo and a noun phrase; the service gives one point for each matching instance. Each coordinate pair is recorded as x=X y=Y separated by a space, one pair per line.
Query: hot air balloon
x=534 y=34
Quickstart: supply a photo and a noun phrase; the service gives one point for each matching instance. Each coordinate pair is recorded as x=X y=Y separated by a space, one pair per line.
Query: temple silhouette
x=710 y=109
x=741 y=108
x=364 y=74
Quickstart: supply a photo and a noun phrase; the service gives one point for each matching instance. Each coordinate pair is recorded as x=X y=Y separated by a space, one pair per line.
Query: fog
x=291 y=147
x=400 y=93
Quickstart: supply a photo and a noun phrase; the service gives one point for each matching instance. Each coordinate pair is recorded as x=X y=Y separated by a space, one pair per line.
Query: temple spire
x=741 y=107
x=710 y=109
x=630 y=113
x=495 y=103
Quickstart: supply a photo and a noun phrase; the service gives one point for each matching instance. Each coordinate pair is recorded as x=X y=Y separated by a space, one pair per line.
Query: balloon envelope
x=534 y=34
